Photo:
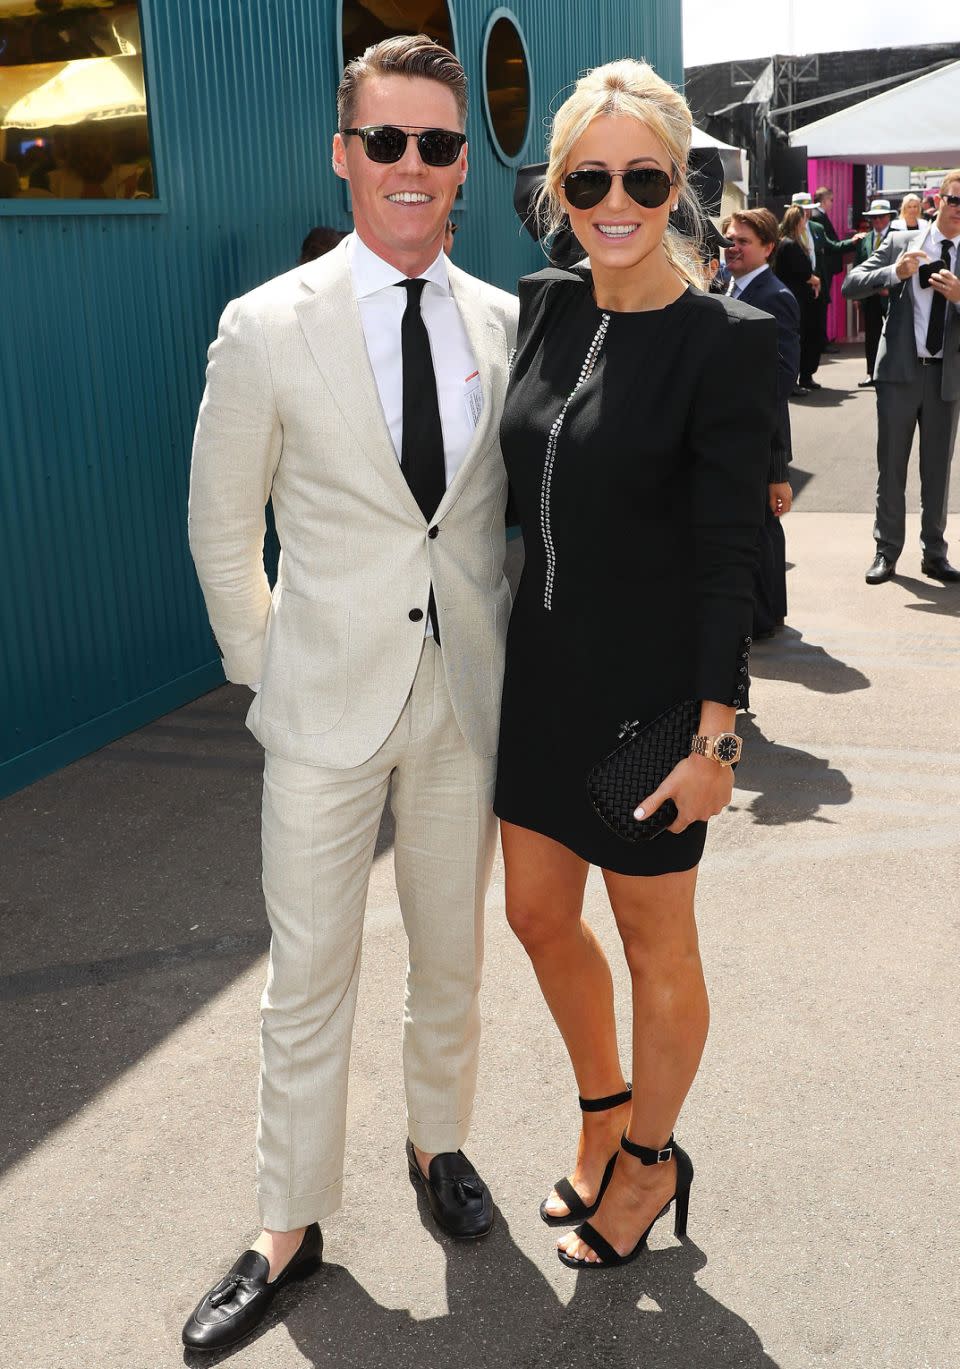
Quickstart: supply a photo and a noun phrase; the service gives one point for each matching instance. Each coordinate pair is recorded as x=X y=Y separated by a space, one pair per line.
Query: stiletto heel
x=577 y=1209
x=611 y=1258
x=680 y=1215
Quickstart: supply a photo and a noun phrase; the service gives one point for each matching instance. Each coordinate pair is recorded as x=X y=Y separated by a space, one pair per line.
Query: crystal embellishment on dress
x=586 y=371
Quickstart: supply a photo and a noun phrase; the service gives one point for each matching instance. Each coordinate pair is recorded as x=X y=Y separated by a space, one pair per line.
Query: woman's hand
x=780 y=498
x=700 y=787
x=814 y=283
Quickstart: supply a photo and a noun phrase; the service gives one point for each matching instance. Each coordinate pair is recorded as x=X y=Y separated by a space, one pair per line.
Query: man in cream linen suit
x=363 y=392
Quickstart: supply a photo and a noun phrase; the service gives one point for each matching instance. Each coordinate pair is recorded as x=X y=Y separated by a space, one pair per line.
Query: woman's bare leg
x=655 y=917
x=544 y=897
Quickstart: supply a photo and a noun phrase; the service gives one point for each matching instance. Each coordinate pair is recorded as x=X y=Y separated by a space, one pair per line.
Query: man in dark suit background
x=752 y=234
x=918 y=379
x=874 y=307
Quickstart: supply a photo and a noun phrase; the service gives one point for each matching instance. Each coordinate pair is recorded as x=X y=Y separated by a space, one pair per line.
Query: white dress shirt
x=740 y=283
x=923 y=299
x=381 y=303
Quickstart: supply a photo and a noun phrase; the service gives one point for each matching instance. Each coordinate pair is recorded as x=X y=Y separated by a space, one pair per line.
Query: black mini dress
x=637 y=447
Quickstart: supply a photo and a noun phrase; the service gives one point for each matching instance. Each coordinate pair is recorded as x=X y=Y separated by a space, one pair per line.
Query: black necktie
x=938 y=307
x=421 y=456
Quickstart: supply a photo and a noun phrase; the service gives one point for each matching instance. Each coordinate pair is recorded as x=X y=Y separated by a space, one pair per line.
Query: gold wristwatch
x=724 y=748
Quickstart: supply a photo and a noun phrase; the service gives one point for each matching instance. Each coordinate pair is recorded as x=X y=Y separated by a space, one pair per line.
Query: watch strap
x=701 y=745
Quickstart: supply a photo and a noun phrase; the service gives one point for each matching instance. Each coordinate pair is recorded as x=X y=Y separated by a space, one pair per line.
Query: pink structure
x=839 y=177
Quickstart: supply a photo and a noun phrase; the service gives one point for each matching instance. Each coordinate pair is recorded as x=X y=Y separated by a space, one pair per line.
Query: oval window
x=506 y=88
x=370 y=21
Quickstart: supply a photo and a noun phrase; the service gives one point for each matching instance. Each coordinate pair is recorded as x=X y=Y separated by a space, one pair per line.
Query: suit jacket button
x=432 y=532
x=416 y=614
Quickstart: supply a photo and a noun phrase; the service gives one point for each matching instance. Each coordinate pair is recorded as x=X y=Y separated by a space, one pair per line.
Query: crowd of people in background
x=902 y=267
x=81 y=163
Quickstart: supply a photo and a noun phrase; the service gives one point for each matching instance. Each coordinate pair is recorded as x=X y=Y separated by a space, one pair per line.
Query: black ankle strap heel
x=611 y=1258
x=577 y=1209
x=670 y=1151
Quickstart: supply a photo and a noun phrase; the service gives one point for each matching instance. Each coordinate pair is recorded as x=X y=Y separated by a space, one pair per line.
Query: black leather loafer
x=239 y=1303
x=939 y=568
x=459 y=1199
x=880 y=570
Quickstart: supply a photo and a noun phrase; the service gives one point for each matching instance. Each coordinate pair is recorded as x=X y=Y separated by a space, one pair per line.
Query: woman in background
x=791 y=262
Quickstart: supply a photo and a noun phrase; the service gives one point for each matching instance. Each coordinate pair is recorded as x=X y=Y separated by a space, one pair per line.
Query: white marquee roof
x=916 y=124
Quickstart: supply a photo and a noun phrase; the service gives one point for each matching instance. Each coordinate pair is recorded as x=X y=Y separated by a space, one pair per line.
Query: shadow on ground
x=789 y=785
x=789 y=656
x=934 y=598
x=835 y=390
x=502 y=1311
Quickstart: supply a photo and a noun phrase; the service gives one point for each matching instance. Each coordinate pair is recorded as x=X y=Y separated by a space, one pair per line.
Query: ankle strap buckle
x=647 y=1155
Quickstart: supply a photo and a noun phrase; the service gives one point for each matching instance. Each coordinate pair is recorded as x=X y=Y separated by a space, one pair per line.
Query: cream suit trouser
x=319 y=830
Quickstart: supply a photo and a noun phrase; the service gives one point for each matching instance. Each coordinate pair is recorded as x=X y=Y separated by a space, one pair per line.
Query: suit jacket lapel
x=330 y=320
x=488 y=341
x=749 y=289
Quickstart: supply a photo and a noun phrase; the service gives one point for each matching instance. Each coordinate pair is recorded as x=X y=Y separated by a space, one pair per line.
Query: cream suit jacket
x=291 y=410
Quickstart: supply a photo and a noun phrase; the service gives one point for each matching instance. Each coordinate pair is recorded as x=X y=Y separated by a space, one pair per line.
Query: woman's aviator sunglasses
x=387 y=143
x=648 y=186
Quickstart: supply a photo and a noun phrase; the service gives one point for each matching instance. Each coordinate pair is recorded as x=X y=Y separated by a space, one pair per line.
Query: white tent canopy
x=916 y=124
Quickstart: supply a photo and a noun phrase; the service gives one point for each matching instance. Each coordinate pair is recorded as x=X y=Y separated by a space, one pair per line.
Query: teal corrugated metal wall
x=107 y=316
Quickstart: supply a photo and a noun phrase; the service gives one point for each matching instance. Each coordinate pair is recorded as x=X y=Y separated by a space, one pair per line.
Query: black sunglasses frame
x=422 y=136
x=950 y=199
x=638 y=182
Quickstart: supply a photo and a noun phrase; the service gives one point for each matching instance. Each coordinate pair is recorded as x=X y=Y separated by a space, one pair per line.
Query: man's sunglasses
x=950 y=199
x=386 y=143
x=648 y=186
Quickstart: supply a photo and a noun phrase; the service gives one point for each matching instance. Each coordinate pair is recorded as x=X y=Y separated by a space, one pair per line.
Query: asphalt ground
x=823 y=1123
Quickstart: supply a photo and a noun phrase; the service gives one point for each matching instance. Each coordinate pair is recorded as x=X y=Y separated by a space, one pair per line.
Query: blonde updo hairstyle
x=633 y=88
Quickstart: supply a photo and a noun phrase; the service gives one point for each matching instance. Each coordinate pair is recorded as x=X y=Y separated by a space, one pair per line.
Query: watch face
x=726 y=749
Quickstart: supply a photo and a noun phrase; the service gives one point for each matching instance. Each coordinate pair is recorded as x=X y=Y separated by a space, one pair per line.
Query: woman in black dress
x=791 y=262
x=636 y=435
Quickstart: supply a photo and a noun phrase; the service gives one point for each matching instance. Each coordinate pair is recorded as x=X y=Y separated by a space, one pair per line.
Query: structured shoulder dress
x=637 y=447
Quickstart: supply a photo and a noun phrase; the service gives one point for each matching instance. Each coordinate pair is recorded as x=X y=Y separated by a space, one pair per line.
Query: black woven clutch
x=637 y=767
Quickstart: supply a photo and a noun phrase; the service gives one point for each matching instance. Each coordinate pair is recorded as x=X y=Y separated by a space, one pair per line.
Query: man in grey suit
x=363 y=393
x=917 y=377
